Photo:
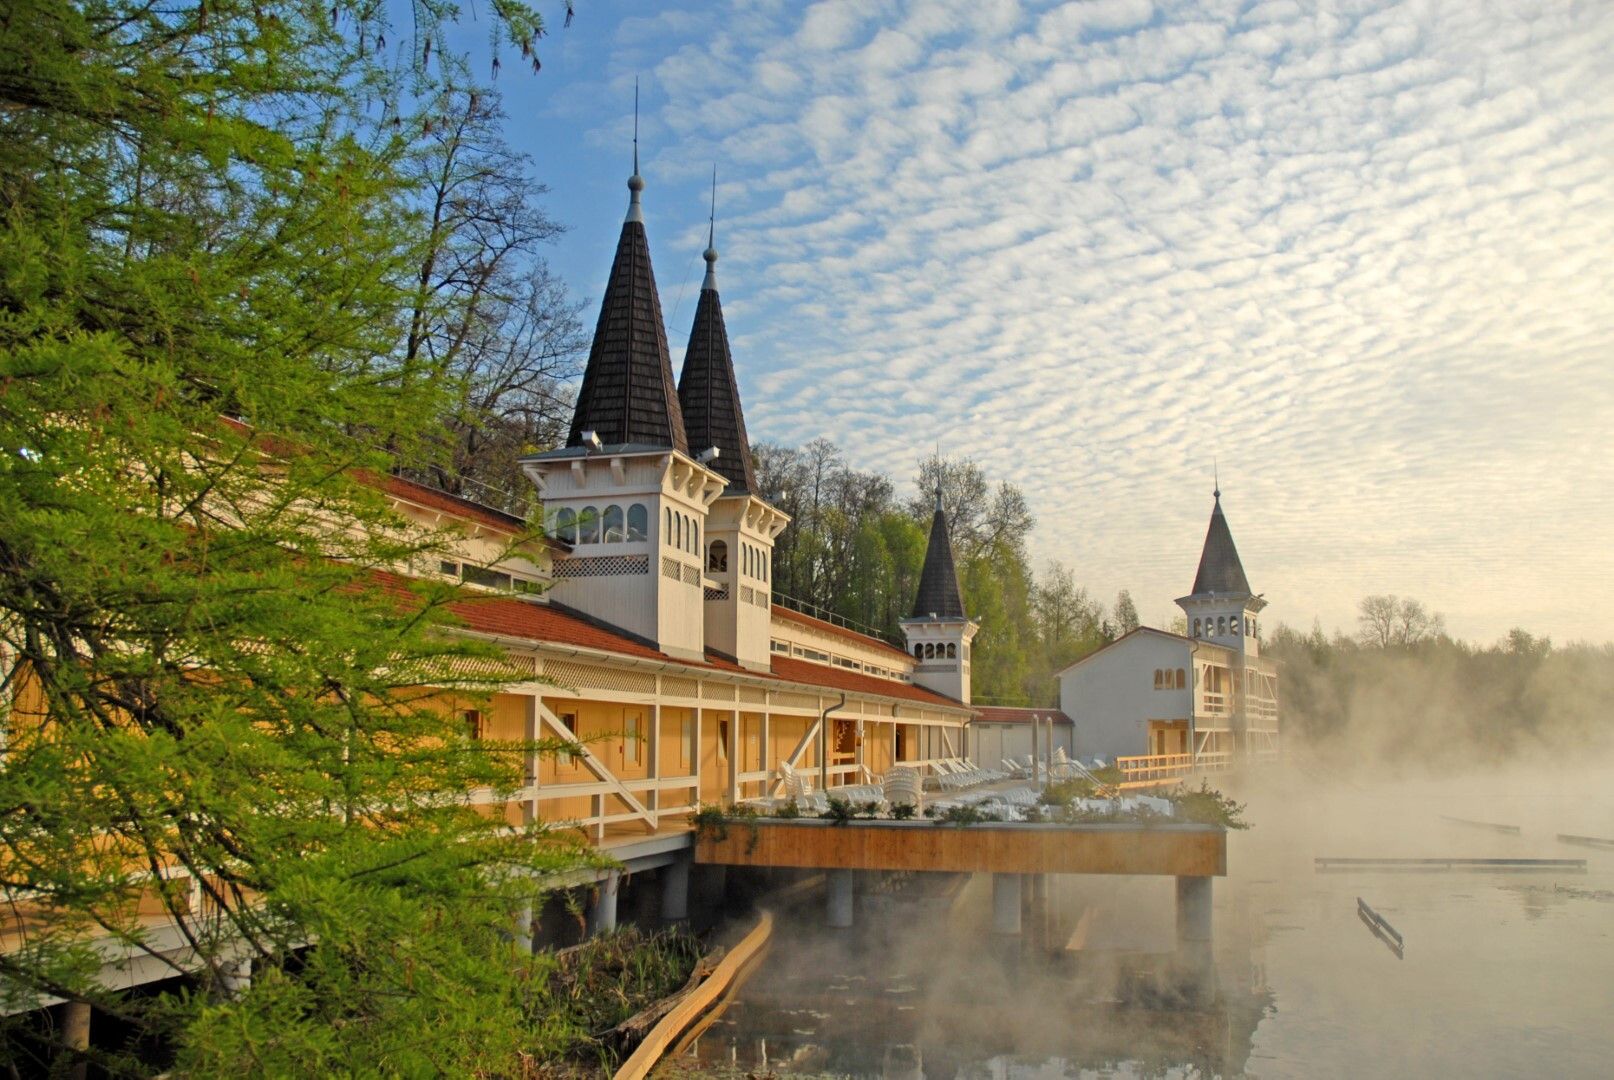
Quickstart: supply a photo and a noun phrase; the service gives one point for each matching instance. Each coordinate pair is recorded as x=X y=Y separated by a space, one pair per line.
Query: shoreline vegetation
x=600 y=998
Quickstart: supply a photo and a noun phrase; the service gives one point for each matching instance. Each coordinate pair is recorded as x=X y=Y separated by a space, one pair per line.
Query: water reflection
x=1504 y=974
x=920 y=988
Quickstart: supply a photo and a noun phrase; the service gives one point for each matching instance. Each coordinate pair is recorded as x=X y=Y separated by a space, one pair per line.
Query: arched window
x=588 y=525
x=952 y=651
x=1182 y=678
x=694 y=537
x=1221 y=625
x=717 y=558
x=918 y=651
x=764 y=566
x=1159 y=678
x=614 y=531
x=667 y=531
x=638 y=523
x=566 y=525
x=1234 y=624
x=678 y=530
x=1196 y=627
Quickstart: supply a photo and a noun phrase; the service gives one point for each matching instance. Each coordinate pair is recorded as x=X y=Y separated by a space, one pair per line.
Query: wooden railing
x=1153 y=770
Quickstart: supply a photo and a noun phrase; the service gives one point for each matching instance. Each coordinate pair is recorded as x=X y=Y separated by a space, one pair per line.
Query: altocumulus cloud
x=1362 y=254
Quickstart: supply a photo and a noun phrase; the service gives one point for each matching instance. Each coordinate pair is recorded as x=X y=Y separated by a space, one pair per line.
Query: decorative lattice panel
x=795 y=701
x=685 y=688
x=586 y=677
x=670 y=567
x=514 y=668
x=717 y=594
x=761 y=599
x=747 y=594
x=603 y=566
x=717 y=692
x=753 y=696
x=692 y=575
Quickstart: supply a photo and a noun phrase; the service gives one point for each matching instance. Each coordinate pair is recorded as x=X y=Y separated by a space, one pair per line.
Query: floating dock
x=1570 y=866
x=1511 y=830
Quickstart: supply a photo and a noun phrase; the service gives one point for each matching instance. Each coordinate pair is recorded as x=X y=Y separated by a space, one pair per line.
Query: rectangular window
x=474 y=724
x=488 y=579
x=723 y=740
x=569 y=721
x=688 y=739
x=450 y=568
x=630 y=741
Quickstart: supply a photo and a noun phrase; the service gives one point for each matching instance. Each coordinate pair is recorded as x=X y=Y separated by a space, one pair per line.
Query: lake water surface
x=1504 y=974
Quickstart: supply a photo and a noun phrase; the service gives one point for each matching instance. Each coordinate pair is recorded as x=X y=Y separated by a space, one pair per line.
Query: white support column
x=736 y=745
x=530 y=762
x=1007 y=891
x=1194 y=929
x=695 y=751
x=235 y=978
x=76 y=1036
x=840 y=896
x=764 y=751
x=675 y=890
x=525 y=928
x=602 y=912
x=653 y=761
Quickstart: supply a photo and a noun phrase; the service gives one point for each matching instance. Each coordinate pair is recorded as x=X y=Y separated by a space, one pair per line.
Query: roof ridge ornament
x=635 y=182
x=710 y=254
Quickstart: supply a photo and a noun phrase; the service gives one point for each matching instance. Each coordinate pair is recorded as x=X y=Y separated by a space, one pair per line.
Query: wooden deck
x=1179 y=850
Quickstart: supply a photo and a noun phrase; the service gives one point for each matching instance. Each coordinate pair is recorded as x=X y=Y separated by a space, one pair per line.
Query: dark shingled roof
x=1219 y=568
x=939 y=594
x=628 y=393
x=710 y=396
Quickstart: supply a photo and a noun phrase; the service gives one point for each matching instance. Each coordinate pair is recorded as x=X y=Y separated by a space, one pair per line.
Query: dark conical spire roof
x=939 y=594
x=628 y=394
x=1219 y=568
x=708 y=392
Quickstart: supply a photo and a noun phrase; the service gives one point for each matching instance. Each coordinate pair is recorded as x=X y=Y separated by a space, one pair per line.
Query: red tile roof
x=790 y=615
x=990 y=714
x=432 y=499
x=855 y=682
x=507 y=616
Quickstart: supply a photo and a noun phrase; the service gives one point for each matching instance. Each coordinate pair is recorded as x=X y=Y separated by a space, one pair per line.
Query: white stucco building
x=1207 y=696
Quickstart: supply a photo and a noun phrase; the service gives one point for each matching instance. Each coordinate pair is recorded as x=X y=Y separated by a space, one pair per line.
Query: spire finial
x=1216 y=478
x=635 y=182
x=710 y=255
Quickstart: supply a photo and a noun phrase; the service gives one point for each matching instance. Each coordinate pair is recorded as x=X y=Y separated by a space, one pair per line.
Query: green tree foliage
x=211 y=211
x=854 y=552
x=1402 y=694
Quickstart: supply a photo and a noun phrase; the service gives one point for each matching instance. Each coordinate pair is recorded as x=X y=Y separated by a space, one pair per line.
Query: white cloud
x=1357 y=254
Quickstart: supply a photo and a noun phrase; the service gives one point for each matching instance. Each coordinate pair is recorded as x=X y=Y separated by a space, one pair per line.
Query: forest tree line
x=1401 y=690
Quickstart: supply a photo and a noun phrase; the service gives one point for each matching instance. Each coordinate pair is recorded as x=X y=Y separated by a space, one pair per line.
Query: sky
x=1357 y=258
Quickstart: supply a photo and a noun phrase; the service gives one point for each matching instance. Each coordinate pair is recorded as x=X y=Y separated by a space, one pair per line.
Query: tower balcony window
x=588 y=525
x=717 y=557
x=615 y=529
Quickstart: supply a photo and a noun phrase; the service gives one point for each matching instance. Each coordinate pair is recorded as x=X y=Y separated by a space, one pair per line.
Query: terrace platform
x=1173 y=850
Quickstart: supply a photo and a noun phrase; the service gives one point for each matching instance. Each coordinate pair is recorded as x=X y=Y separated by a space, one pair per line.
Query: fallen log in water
x=1511 y=830
x=1381 y=928
x=1335 y=865
x=1586 y=841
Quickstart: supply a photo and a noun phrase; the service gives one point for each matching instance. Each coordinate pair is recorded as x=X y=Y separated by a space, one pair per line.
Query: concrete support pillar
x=602 y=913
x=236 y=979
x=839 y=897
x=524 y=930
x=675 y=890
x=76 y=1037
x=1194 y=928
x=1007 y=893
